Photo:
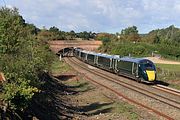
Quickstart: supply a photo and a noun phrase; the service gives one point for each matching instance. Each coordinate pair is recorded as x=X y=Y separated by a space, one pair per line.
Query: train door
x=95 y=60
x=79 y=54
x=115 y=65
x=135 y=69
x=86 y=57
x=111 y=64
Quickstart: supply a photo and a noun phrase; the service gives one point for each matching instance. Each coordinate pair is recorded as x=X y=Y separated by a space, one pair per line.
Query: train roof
x=118 y=57
x=105 y=55
x=135 y=60
x=98 y=54
x=88 y=52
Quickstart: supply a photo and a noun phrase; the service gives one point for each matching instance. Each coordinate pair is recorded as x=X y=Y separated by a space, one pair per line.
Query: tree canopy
x=169 y=35
x=165 y=42
x=23 y=58
x=130 y=34
x=55 y=33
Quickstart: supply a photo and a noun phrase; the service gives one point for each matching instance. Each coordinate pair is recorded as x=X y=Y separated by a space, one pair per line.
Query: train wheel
x=116 y=72
x=139 y=80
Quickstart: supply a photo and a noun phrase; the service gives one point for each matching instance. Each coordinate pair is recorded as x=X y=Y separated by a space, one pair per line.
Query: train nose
x=151 y=75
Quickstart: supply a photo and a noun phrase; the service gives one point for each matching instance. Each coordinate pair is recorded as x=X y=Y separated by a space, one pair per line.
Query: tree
x=23 y=59
x=72 y=35
x=106 y=38
x=33 y=29
x=129 y=31
x=53 y=29
x=130 y=34
x=11 y=30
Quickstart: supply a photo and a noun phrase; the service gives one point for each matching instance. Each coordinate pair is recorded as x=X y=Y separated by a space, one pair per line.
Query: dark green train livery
x=140 y=69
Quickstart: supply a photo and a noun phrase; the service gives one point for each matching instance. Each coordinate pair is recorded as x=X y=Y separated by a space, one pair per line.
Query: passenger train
x=140 y=69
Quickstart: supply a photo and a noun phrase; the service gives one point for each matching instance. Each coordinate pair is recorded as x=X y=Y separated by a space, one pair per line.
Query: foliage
x=129 y=30
x=169 y=73
x=128 y=48
x=19 y=94
x=104 y=37
x=23 y=58
x=126 y=110
x=130 y=34
x=164 y=42
x=86 y=35
x=170 y=35
x=141 y=49
x=55 y=34
x=59 y=66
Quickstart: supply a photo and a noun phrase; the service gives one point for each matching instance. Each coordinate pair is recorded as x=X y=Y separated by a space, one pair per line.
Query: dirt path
x=162 y=61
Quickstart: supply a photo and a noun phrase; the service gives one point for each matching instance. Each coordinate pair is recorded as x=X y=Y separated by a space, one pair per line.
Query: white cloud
x=74 y=21
x=100 y=15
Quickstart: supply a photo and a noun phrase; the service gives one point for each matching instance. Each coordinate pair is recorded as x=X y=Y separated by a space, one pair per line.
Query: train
x=139 y=69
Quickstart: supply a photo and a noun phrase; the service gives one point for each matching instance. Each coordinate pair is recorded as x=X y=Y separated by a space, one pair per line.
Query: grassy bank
x=59 y=67
x=99 y=104
x=92 y=101
x=169 y=73
x=141 y=49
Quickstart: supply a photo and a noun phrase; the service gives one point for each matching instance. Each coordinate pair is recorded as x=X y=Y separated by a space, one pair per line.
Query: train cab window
x=147 y=65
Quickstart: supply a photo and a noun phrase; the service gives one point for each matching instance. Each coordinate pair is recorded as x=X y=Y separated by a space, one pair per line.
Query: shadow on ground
x=64 y=77
x=95 y=108
x=52 y=103
x=162 y=83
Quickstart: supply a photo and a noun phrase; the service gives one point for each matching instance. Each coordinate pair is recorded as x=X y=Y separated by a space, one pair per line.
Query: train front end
x=148 y=70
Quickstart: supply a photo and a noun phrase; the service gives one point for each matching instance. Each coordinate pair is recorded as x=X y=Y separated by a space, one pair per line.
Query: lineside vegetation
x=161 y=42
x=23 y=60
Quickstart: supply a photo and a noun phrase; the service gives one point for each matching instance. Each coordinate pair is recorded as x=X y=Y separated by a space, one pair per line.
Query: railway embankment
x=67 y=94
x=145 y=100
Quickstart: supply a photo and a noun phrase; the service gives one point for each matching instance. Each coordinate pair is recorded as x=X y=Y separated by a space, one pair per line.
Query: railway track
x=167 y=89
x=171 y=102
x=155 y=96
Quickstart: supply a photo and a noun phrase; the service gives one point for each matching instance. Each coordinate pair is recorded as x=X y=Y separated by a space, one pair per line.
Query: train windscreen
x=147 y=65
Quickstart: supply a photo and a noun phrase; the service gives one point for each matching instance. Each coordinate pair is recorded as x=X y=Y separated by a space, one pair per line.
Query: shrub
x=23 y=59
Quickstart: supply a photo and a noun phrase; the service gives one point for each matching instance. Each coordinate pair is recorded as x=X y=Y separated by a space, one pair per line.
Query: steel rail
x=125 y=97
x=132 y=87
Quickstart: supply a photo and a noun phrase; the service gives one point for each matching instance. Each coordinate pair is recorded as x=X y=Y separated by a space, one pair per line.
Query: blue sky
x=99 y=15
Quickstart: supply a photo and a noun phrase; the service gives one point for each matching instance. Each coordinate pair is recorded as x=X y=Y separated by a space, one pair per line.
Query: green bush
x=23 y=59
x=18 y=94
x=141 y=49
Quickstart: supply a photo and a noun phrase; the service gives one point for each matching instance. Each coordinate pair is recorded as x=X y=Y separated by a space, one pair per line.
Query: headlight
x=144 y=72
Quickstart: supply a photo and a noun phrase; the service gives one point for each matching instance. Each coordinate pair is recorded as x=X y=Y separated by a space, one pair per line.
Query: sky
x=99 y=15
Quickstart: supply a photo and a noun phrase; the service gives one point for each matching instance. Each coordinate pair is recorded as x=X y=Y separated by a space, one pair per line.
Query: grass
x=80 y=85
x=170 y=67
x=126 y=109
x=169 y=73
x=59 y=67
x=120 y=108
x=123 y=109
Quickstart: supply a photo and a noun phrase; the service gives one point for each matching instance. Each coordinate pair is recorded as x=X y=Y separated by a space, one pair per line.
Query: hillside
x=163 y=42
x=168 y=35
